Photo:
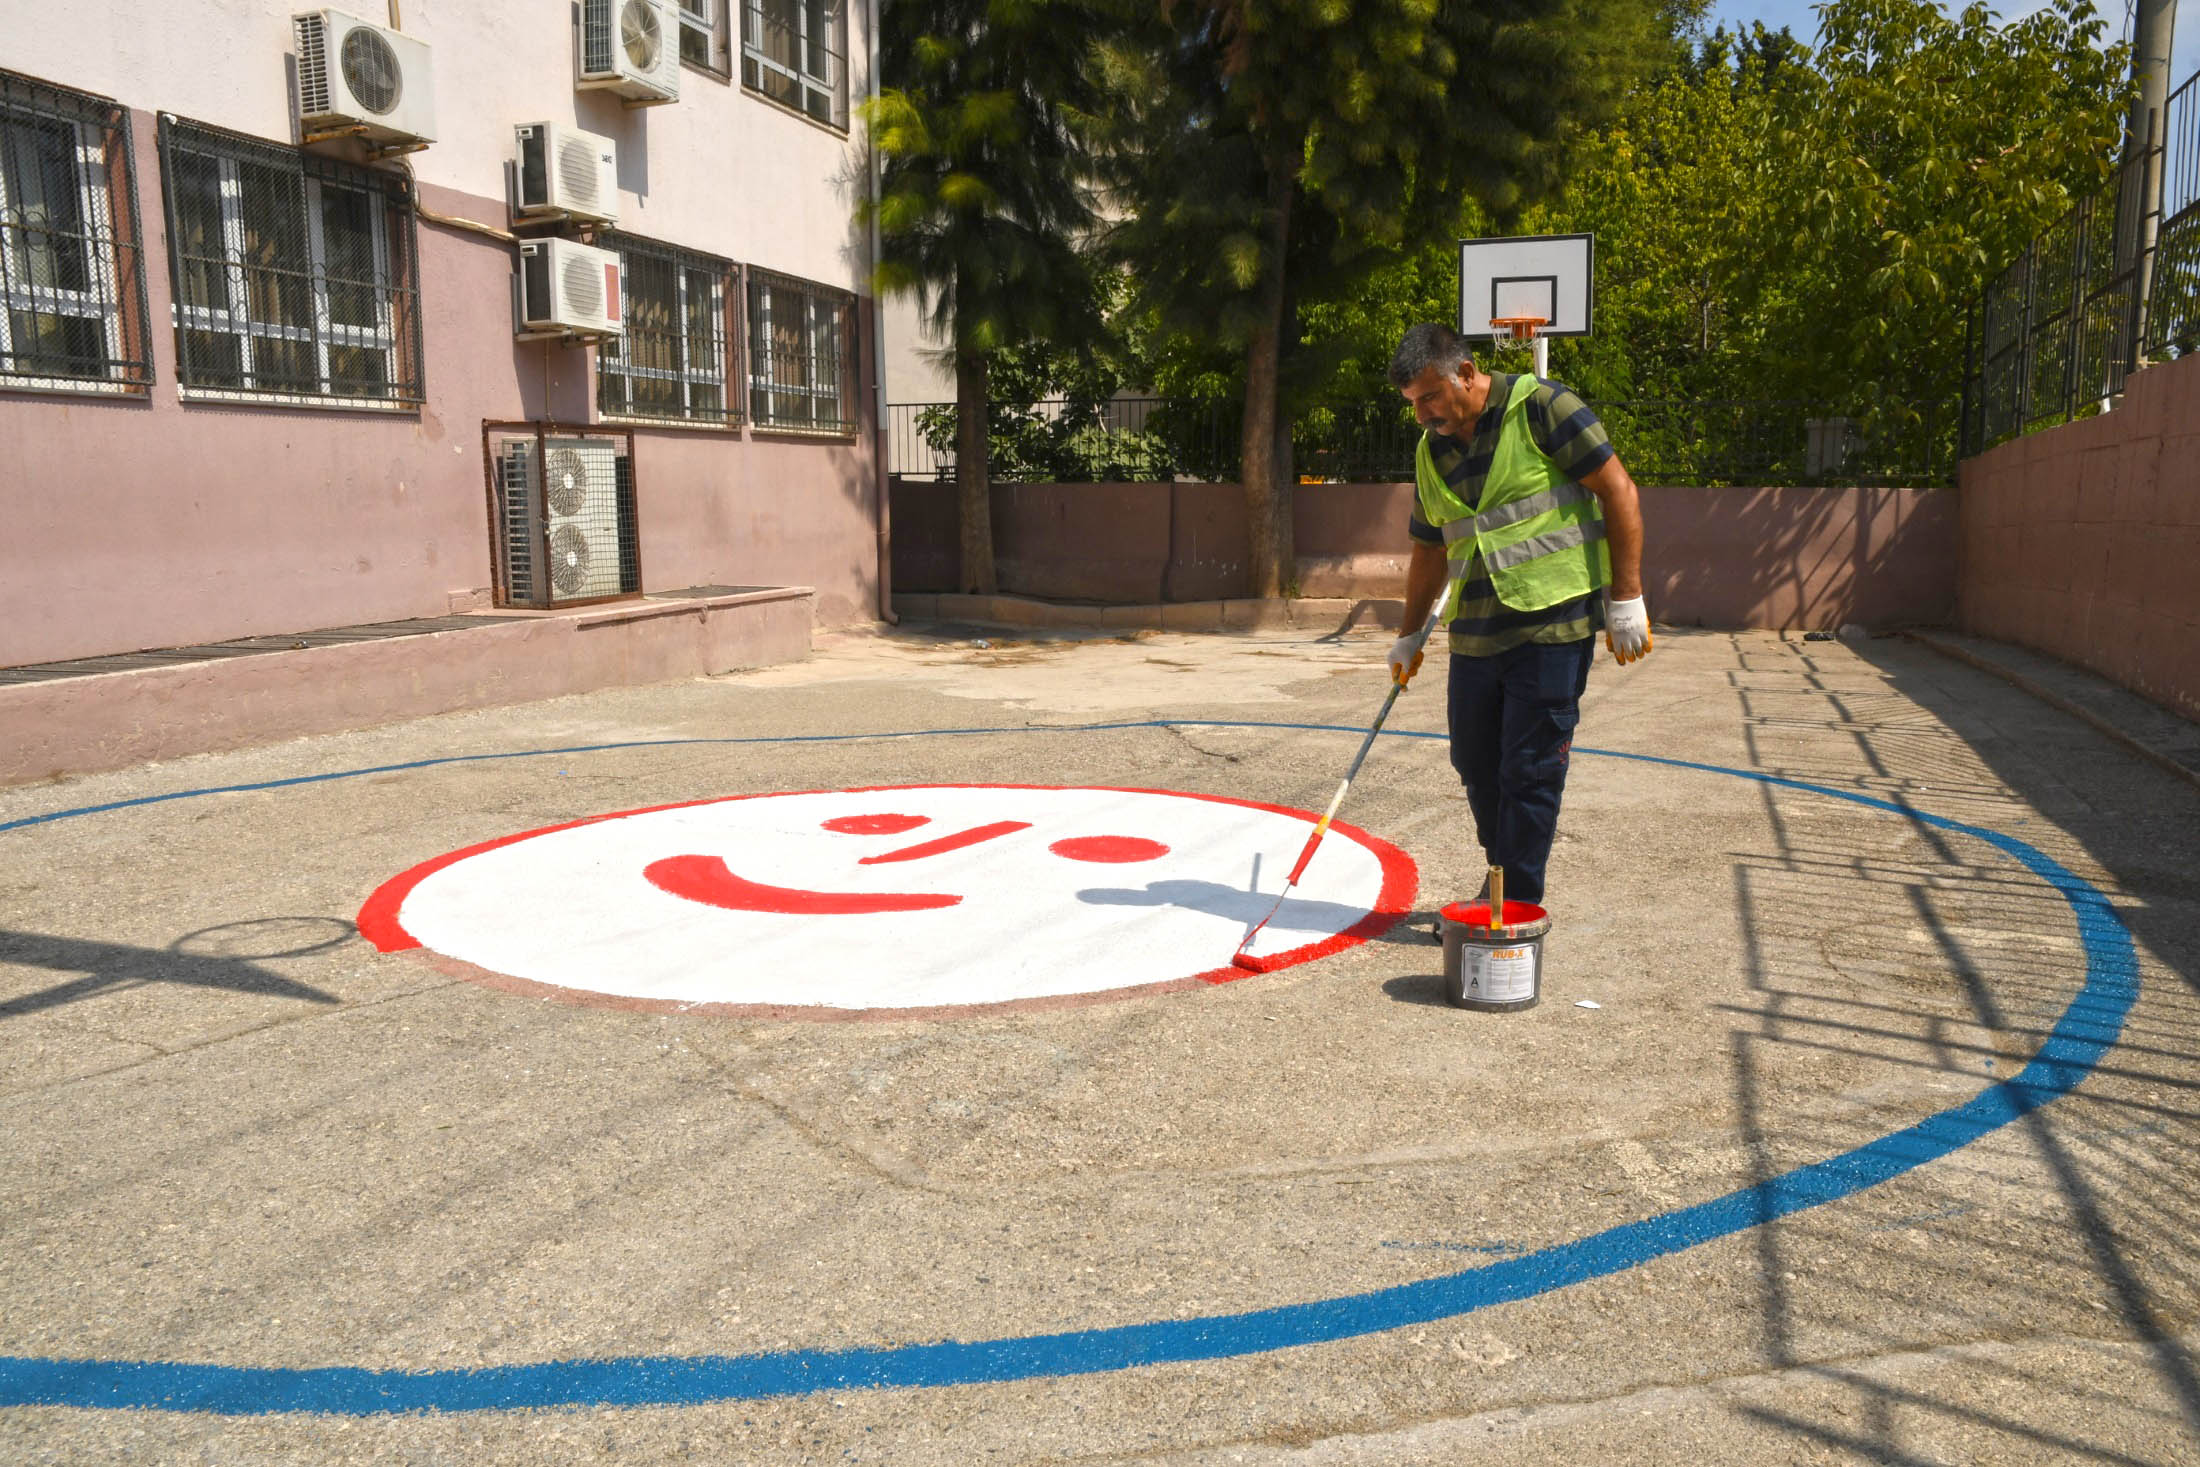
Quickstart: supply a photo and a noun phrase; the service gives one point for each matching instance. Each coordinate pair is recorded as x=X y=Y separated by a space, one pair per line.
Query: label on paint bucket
x=1499 y=974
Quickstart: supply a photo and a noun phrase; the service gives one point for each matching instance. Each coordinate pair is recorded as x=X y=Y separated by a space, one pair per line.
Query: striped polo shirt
x=1572 y=438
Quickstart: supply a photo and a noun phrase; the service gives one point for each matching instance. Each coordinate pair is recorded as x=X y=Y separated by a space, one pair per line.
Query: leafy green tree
x=1931 y=148
x=1274 y=155
x=982 y=124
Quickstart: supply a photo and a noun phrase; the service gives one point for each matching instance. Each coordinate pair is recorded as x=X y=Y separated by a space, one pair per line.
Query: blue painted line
x=2086 y=1030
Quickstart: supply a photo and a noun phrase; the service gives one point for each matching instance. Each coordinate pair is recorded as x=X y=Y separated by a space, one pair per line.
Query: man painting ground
x=1529 y=526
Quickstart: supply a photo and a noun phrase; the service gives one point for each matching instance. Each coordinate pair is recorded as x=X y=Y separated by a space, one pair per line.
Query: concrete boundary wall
x=80 y=725
x=1763 y=557
x=2083 y=541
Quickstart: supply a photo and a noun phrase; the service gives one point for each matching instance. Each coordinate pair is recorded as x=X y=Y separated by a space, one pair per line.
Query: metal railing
x=1668 y=441
x=2111 y=284
x=294 y=275
x=72 y=271
x=2173 y=312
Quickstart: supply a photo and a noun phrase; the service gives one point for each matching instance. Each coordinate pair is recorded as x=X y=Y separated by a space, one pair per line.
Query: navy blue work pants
x=1512 y=734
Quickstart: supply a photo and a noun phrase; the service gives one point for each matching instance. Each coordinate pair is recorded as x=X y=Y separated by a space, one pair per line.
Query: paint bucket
x=1495 y=969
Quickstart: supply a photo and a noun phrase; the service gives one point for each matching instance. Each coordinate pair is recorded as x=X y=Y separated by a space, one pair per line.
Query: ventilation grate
x=577 y=171
x=370 y=70
x=584 y=293
x=312 y=66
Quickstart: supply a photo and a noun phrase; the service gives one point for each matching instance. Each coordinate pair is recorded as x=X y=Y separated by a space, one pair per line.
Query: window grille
x=674 y=359
x=562 y=514
x=295 y=275
x=796 y=52
x=703 y=35
x=801 y=365
x=72 y=272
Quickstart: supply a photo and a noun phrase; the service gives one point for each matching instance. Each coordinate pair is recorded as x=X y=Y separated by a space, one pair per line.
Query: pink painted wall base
x=80 y=725
x=1800 y=558
x=2083 y=541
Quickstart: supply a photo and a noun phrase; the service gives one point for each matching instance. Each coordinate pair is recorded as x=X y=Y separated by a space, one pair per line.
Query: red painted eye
x=875 y=824
x=1113 y=850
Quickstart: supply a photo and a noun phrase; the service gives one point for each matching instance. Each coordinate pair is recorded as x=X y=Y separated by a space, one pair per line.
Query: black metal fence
x=2173 y=311
x=2113 y=283
x=1693 y=442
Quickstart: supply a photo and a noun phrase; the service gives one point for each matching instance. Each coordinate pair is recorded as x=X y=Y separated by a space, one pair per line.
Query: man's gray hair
x=1428 y=345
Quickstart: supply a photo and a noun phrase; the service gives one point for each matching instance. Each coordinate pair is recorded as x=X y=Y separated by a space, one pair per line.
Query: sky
x=1797 y=16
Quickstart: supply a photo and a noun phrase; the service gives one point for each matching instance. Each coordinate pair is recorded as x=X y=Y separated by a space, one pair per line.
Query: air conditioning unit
x=355 y=76
x=566 y=172
x=631 y=47
x=564 y=533
x=567 y=288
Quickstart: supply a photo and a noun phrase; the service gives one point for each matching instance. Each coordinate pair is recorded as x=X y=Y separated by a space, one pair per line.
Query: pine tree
x=985 y=199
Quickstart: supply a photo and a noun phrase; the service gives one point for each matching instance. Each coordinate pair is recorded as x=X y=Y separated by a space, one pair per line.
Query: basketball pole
x=1542 y=356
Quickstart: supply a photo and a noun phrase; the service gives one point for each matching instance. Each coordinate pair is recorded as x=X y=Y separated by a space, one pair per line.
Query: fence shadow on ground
x=1934 y=963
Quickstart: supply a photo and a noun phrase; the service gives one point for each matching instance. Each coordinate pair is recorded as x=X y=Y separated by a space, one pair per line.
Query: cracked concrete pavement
x=235 y=1135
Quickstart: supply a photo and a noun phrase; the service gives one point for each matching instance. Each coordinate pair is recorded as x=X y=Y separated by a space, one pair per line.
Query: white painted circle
x=1031 y=893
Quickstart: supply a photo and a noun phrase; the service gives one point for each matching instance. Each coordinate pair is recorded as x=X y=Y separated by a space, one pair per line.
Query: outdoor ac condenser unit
x=567 y=288
x=565 y=172
x=355 y=76
x=560 y=529
x=580 y=495
x=631 y=47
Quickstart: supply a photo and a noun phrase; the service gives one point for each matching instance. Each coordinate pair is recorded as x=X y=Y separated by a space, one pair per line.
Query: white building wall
x=720 y=170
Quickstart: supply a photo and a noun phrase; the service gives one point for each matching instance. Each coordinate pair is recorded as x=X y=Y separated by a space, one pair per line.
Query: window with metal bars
x=796 y=52
x=674 y=359
x=801 y=357
x=703 y=40
x=72 y=273
x=295 y=275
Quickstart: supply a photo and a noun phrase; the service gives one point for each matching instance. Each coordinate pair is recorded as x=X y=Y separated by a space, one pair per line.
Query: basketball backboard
x=1546 y=275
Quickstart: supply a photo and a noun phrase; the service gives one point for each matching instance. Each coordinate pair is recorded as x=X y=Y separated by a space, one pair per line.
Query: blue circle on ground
x=2084 y=1032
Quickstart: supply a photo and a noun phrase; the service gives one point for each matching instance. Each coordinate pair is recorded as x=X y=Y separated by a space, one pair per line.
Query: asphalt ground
x=1878 y=1148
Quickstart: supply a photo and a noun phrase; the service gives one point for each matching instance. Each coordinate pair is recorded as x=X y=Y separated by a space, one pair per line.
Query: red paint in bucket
x=1477 y=914
x=1496 y=969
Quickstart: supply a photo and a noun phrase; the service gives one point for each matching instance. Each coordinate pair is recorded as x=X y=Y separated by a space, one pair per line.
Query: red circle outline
x=379 y=925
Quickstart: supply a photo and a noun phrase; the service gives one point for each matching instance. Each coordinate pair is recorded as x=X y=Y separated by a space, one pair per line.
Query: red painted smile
x=707 y=879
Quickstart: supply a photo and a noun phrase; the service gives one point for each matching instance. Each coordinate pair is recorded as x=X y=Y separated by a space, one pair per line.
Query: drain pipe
x=880 y=485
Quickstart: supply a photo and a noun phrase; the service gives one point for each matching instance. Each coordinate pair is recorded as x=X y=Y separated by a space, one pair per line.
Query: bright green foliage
x=1929 y=150
x=1773 y=222
x=1273 y=155
x=984 y=198
x=985 y=201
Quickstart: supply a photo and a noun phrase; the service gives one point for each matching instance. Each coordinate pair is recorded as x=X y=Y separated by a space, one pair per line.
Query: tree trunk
x=1267 y=495
x=973 y=475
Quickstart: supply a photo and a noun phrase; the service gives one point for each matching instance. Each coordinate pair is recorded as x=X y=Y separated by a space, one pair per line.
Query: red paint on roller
x=948 y=843
x=875 y=824
x=1113 y=850
x=706 y=879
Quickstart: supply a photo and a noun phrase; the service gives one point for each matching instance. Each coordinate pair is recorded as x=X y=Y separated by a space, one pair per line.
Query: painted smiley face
x=909 y=898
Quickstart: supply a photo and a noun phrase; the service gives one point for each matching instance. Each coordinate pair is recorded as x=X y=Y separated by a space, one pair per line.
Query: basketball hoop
x=1519 y=328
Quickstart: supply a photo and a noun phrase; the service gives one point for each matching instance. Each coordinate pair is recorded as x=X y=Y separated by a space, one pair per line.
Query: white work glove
x=1626 y=629
x=1405 y=656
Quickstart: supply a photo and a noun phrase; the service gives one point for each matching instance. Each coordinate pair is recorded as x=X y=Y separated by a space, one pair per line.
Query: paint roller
x=1243 y=959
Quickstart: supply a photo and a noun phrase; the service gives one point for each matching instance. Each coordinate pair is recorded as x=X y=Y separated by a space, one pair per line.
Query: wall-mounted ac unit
x=564 y=530
x=566 y=172
x=355 y=77
x=631 y=47
x=566 y=288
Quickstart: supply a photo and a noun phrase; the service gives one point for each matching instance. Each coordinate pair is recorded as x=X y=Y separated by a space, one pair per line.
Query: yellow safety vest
x=1541 y=535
